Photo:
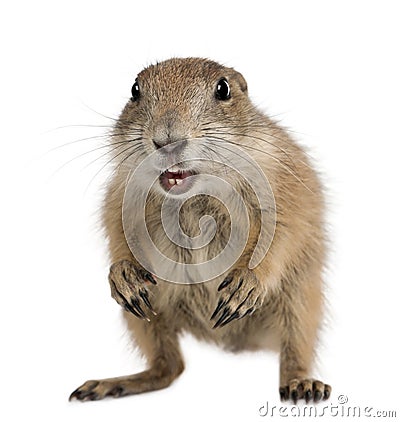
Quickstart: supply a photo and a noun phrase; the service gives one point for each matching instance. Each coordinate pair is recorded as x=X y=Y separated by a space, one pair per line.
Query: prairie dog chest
x=201 y=225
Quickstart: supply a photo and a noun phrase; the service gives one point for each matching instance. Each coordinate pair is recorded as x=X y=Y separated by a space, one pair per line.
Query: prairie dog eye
x=135 y=91
x=223 y=90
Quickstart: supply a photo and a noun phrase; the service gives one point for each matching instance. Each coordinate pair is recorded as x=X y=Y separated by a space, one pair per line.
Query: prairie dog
x=189 y=119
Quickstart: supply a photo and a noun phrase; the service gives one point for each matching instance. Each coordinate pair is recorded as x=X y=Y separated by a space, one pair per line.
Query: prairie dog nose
x=167 y=146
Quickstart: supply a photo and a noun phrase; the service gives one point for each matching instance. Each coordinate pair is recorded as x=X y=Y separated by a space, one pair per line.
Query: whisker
x=128 y=156
x=209 y=149
x=257 y=139
x=105 y=136
x=287 y=168
x=230 y=150
x=112 y=149
x=252 y=126
x=254 y=119
x=287 y=142
x=134 y=147
x=91 y=151
x=81 y=126
x=252 y=123
x=100 y=114
x=269 y=143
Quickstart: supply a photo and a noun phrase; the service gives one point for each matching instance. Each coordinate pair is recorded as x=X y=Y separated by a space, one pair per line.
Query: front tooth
x=171 y=181
x=174 y=169
x=179 y=181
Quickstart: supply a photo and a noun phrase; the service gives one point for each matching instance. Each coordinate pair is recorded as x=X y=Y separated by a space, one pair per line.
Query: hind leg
x=159 y=343
x=300 y=318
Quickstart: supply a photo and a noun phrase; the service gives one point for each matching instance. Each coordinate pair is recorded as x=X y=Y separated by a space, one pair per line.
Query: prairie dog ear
x=241 y=81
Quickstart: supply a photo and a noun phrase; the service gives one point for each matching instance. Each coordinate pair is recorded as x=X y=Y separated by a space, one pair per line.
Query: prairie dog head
x=184 y=113
x=178 y=142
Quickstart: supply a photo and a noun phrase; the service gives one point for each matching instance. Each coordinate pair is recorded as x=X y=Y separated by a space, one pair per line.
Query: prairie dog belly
x=190 y=307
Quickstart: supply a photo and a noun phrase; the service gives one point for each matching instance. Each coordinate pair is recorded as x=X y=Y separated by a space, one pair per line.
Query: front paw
x=241 y=294
x=128 y=288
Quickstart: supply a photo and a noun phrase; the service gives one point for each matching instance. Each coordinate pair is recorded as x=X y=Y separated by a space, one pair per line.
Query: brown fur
x=177 y=102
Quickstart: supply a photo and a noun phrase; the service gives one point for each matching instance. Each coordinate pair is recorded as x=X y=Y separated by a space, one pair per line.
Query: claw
x=144 y=295
x=74 y=395
x=248 y=312
x=284 y=393
x=135 y=304
x=308 y=396
x=235 y=315
x=89 y=394
x=237 y=288
x=150 y=278
x=130 y=309
x=225 y=283
x=317 y=396
x=221 y=303
x=225 y=314
x=294 y=395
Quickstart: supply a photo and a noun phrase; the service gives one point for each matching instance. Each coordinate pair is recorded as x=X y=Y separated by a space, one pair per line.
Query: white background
x=328 y=69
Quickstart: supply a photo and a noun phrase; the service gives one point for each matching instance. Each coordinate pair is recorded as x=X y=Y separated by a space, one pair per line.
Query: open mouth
x=176 y=177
